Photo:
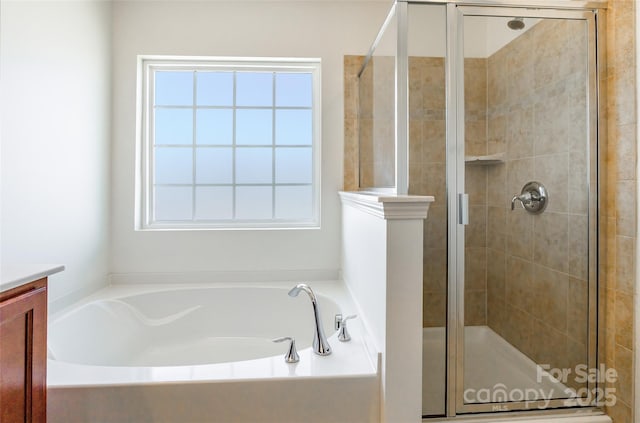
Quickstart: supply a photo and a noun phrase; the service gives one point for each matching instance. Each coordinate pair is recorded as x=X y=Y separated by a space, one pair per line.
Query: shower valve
x=533 y=197
x=524 y=199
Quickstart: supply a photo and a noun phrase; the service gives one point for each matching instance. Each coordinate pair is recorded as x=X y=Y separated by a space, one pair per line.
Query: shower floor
x=490 y=362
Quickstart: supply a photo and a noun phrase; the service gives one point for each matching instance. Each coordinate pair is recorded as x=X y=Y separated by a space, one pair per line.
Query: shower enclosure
x=493 y=108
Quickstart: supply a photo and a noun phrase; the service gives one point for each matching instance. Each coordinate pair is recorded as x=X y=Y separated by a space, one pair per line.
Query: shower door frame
x=458 y=205
x=593 y=12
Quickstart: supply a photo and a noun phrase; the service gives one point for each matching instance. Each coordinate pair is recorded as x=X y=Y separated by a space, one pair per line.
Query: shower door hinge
x=463 y=209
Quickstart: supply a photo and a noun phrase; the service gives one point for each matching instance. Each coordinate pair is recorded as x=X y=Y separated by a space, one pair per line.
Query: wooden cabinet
x=23 y=353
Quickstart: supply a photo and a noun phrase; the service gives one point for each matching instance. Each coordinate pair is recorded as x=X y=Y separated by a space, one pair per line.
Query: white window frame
x=144 y=162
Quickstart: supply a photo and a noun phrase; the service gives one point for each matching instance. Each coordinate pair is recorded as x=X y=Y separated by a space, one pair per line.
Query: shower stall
x=493 y=108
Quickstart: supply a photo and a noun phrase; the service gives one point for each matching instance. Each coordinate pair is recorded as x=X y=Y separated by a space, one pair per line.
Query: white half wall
x=324 y=29
x=55 y=102
x=382 y=265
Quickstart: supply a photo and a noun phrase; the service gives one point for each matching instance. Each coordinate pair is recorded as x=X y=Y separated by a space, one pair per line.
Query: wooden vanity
x=23 y=343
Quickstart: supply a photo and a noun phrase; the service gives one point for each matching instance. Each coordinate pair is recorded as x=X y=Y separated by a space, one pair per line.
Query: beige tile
x=475 y=308
x=519 y=282
x=519 y=330
x=496 y=228
x=416 y=179
x=433 y=86
x=611 y=260
x=475 y=137
x=550 y=346
x=520 y=241
x=519 y=172
x=624 y=99
x=475 y=269
x=576 y=356
x=496 y=88
x=434 y=148
x=435 y=228
x=551 y=297
x=552 y=171
x=625 y=207
x=416 y=142
x=350 y=155
x=624 y=275
x=552 y=65
x=496 y=273
x=551 y=125
x=496 y=134
x=624 y=367
x=435 y=180
x=496 y=314
x=610 y=313
x=435 y=269
x=475 y=84
x=415 y=90
x=578 y=183
x=520 y=133
x=578 y=311
x=578 y=118
x=626 y=148
x=476 y=184
x=476 y=230
x=624 y=319
x=551 y=240
x=435 y=309
x=578 y=246
x=622 y=34
x=620 y=413
x=497 y=186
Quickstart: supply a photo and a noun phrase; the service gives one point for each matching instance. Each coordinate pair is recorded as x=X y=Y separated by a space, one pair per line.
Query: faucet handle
x=292 y=355
x=343 y=335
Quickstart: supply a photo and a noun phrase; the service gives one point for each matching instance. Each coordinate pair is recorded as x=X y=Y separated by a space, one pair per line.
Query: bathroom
x=69 y=191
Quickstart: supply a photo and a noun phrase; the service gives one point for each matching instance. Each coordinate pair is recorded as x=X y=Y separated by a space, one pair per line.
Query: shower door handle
x=463 y=209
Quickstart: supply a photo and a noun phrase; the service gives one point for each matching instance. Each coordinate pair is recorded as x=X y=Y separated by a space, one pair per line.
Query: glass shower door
x=523 y=317
x=427 y=176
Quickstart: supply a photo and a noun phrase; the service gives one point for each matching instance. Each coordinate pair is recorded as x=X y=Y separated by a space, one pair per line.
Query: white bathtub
x=140 y=353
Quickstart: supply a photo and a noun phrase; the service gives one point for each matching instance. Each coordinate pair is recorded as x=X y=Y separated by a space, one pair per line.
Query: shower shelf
x=491 y=159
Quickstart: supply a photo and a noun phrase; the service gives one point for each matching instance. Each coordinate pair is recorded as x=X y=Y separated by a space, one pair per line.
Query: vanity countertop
x=12 y=276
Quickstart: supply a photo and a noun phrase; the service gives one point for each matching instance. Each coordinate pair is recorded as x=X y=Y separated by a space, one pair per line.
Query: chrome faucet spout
x=320 y=344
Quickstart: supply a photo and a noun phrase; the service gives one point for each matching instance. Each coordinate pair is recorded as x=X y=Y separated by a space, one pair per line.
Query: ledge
x=388 y=206
x=491 y=159
x=12 y=276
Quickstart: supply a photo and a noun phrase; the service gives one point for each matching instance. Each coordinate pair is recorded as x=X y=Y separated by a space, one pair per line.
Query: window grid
x=234 y=147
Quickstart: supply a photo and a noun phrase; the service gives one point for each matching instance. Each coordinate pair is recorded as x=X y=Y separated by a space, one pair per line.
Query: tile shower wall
x=537 y=278
x=476 y=235
x=377 y=123
x=619 y=214
x=351 y=164
x=427 y=174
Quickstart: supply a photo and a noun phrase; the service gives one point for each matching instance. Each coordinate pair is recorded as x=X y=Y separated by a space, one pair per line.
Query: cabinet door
x=23 y=356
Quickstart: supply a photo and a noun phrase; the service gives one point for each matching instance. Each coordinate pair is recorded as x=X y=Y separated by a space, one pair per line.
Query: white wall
x=324 y=29
x=382 y=264
x=55 y=103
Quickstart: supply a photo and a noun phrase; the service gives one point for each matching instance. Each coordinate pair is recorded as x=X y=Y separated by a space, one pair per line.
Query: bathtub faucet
x=320 y=344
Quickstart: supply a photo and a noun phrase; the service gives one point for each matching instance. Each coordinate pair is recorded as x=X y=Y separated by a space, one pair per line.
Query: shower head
x=516 y=24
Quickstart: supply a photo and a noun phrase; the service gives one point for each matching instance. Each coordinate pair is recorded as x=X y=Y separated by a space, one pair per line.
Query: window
x=229 y=143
